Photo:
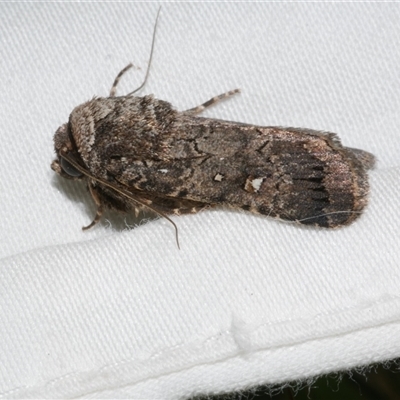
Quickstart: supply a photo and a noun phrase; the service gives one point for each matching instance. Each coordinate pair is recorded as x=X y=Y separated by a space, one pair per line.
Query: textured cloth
x=247 y=300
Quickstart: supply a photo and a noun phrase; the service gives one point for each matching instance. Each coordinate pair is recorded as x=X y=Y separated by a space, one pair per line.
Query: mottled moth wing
x=176 y=162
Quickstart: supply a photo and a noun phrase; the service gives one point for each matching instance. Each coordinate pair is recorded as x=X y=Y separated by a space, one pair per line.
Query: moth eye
x=69 y=169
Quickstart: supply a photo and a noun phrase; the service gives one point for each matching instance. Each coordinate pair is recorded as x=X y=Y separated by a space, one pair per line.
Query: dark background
x=375 y=382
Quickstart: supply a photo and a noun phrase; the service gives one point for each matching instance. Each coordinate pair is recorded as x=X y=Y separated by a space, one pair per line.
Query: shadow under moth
x=139 y=152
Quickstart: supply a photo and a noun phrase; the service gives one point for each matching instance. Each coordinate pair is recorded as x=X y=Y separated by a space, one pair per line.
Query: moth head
x=65 y=151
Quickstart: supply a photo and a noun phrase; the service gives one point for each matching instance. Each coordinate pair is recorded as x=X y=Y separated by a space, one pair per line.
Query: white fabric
x=247 y=300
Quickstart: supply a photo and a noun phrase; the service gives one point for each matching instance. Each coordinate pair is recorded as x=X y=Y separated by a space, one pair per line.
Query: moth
x=140 y=152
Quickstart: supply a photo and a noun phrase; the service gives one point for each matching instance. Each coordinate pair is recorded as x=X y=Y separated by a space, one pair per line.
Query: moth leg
x=216 y=99
x=115 y=84
x=99 y=205
x=137 y=212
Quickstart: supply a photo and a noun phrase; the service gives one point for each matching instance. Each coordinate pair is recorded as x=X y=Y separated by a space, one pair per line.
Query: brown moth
x=136 y=152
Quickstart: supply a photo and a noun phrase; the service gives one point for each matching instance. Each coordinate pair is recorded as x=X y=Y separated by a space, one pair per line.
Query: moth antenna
x=328 y=214
x=122 y=192
x=151 y=56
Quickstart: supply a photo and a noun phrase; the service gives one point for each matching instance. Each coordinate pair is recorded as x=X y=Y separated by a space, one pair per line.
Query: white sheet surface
x=247 y=300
